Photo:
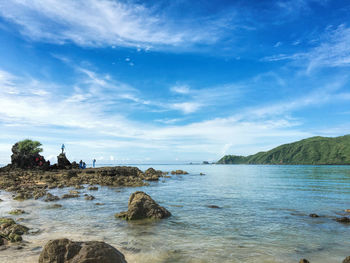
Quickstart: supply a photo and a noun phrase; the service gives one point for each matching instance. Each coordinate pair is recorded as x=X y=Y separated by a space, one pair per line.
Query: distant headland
x=311 y=151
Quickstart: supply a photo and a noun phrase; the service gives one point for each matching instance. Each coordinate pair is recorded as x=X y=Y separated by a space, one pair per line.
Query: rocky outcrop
x=314 y=215
x=66 y=251
x=10 y=231
x=304 y=261
x=27 y=160
x=63 y=162
x=142 y=206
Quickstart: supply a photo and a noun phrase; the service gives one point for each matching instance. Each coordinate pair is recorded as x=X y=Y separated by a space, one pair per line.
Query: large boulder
x=141 y=206
x=67 y=251
x=63 y=162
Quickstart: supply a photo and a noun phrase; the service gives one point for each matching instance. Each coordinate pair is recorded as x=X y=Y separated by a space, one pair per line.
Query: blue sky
x=171 y=81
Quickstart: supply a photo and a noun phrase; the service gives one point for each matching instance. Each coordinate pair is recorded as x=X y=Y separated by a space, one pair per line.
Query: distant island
x=312 y=151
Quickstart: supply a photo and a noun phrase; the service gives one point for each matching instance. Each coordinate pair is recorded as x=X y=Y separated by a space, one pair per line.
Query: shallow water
x=263 y=216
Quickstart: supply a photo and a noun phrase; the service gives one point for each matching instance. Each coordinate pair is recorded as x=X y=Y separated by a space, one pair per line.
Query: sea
x=262 y=215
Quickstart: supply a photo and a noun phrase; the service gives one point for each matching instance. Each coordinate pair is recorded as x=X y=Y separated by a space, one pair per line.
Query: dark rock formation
x=66 y=251
x=141 y=206
x=17 y=212
x=51 y=198
x=27 y=160
x=89 y=197
x=93 y=188
x=63 y=162
x=304 y=261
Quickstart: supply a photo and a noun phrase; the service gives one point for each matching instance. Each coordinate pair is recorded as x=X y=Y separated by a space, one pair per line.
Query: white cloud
x=186 y=107
x=181 y=89
x=101 y=23
x=332 y=51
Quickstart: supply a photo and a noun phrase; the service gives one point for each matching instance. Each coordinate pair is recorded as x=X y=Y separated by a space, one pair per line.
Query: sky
x=171 y=81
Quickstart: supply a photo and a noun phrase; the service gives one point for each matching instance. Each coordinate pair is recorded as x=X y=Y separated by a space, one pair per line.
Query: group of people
x=82 y=165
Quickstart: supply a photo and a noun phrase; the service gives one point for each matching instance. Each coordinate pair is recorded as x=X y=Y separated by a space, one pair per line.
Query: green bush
x=29 y=147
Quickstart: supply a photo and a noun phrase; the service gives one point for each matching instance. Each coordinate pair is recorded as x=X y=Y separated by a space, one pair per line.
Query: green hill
x=314 y=150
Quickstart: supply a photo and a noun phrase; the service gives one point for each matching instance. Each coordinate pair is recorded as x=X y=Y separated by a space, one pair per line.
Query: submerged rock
x=179 y=172
x=141 y=206
x=344 y=220
x=17 y=212
x=51 y=198
x=304 y=261
x=314 y=215
x=89 y=197
x=214 y=206
x=64 y=250
x=93 y=188
x=54 y=206
x=66 y=196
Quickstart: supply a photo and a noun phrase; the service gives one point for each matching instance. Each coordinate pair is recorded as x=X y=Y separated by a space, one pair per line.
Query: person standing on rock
x=93 y=163
x=62 y=148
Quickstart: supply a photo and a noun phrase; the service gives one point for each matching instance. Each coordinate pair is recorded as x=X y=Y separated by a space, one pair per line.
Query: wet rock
x=346 y=260
x=89 y=197
x=214 y=206
x=64 y=250
x=23 y=196
x=347 y=210
x=11 y=231
x=54 y=206
x=66 y=196
x=202 y=174
x=99 y=204
x=17 y=212
x=51 y=198
x=314 y=215
x=141 y=206
x=93 y=188
x=304 y=261
x=344 y=220
x=179 y=172
x=78 y=187
x=74 y=192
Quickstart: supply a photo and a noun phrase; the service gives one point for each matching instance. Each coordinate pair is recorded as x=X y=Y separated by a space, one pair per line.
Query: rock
x=179 y=172
x=314 y=215
x=201 y=173
x=64 y=250
x=346 y=260
x=344 y=220
x=304 y=261
x=78 y=187
x=65 y=196
x=347 y=210
x=74 y=192
x=23 y=196
x=17 y=212
x=99 y=204
x=54 y=206
x=93 y=188
x=89 y=197
x=214 y=206
x=11 y=231
x=51 y=198
x=63 y=162
x=141 y=206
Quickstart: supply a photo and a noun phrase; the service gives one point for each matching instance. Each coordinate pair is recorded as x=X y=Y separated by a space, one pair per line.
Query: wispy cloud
x=102 y=23
x=332 y=50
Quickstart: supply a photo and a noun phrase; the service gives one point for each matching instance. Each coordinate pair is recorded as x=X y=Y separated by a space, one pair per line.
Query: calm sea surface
x=263 y=216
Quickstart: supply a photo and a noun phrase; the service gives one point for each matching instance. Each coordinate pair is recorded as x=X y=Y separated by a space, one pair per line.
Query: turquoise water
x=263 y=216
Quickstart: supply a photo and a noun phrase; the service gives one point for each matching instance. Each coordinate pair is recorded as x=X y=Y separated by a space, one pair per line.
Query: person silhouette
x=62 y=148
x=93 y=163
